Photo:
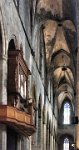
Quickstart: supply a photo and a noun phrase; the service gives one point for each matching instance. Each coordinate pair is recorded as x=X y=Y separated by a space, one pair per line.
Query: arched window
x=66 y=144
x=66 y=114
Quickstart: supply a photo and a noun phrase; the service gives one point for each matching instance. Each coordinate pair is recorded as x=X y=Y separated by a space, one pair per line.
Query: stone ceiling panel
x=49 y=6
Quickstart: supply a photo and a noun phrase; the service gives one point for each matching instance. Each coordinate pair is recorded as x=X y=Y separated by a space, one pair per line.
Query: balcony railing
x=17 y=119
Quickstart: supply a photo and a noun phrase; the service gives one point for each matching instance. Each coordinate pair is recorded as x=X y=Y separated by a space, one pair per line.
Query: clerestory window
x=66 y=114
x=66 y=144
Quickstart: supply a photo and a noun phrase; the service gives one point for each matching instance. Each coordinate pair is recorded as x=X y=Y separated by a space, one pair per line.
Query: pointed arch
x=64 y=139
x=14 y=38
x=11 y=46
x=66 y=144
x=66 y=112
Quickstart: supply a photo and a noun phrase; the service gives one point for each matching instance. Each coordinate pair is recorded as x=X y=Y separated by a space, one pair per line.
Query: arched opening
x=66 y=144
x=11 y=46
x=66 y=113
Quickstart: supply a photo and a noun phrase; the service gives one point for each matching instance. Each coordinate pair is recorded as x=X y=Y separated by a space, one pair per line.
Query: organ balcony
x=19 y=112
x=19 y=120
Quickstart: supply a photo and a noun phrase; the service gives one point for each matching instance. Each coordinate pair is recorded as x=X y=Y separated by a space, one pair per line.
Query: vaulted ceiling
x=59 y=29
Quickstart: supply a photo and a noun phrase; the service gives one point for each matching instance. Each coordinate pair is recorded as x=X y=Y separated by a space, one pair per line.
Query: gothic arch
x=15 y=40
x=42 y=24
x=63 y=95
x=61 y=111
x=61 y=141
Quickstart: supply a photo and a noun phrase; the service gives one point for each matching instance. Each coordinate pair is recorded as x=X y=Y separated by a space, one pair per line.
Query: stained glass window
x=66 y=144
x=66 y=113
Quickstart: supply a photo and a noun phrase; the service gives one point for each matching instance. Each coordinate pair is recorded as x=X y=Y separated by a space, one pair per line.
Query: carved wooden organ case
x=17 y=83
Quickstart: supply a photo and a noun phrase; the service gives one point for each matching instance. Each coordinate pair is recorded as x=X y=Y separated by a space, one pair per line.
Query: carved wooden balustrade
x=19 y=120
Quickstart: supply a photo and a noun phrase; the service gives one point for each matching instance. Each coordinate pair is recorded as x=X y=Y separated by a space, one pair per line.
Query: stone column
x=3 y=100
x=39 y=140
x=3 y=137
x=47 y=139
x=34 y=137
x=51 y=142
x=44 y=136
x=18 y=143
x=3 y=81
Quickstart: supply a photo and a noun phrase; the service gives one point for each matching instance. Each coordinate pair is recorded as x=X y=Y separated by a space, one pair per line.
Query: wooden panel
x=17 y=119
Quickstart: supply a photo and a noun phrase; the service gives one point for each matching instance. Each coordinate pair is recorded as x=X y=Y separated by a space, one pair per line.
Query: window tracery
x=66 y=113
x=66 y=144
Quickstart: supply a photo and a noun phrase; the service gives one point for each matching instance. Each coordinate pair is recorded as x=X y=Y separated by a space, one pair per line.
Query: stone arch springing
x=39 y=49
x=38 y=27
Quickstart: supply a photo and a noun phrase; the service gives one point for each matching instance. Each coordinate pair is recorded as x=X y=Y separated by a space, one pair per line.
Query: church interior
x=39 y=74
